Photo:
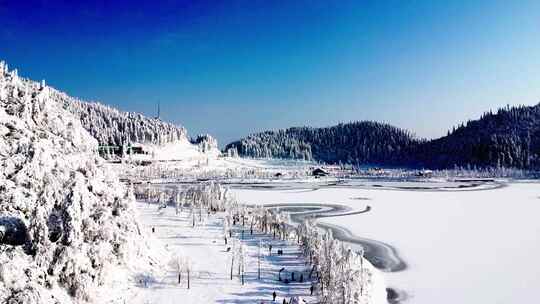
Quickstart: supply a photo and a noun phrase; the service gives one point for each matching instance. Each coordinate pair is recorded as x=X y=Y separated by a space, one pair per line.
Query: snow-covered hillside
x=113 y=127
x=65 y=223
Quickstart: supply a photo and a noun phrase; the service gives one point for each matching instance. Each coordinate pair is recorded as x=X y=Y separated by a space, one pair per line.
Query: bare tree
x=241 y=261
x=233 y=254
x=188 y=266
x=177 y=264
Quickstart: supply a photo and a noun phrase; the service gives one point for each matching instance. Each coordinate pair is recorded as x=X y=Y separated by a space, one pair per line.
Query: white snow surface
x=477 y=246
x=181 y=150
x=210 y=279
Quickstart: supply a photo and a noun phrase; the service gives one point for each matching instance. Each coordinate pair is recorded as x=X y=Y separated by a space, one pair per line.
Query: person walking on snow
x=274 y=295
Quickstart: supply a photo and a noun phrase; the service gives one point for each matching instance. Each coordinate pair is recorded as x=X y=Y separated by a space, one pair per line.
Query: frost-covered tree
x=188 y=266
x=116 y=128
x=177 y=263
x=69 y=222
x=233 y=252
x=205 y=143
x=241 y=261
x=227 y=229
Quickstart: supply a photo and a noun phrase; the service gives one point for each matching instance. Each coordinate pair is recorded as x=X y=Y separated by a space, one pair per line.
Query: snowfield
x=459 y=246
x=210 y=280
x=203 y=245
x=199 y=238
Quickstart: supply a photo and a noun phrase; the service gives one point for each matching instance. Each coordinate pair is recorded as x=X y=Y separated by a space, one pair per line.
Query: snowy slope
x=65 y=223
x=113 y=127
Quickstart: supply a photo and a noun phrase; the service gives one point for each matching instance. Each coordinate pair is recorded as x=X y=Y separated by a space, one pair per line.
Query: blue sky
x=230 y=68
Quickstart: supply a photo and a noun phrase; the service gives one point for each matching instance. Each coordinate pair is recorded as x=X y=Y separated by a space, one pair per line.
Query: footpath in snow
x=203 y=247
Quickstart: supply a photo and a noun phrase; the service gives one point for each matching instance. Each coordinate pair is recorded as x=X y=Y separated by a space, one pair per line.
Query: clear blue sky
x=231 y=68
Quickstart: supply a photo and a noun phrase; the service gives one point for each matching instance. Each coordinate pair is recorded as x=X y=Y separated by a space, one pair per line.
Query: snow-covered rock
x=65 y=223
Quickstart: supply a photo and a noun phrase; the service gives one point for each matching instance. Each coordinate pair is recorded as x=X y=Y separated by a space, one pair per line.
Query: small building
x=136 y=150
x=319 y=172
x=424 y=173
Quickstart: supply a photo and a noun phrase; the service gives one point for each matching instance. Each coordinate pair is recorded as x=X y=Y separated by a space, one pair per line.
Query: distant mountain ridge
x=357 y=142
x=508 y=138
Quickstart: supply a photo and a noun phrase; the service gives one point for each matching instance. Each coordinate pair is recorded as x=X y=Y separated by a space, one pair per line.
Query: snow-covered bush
x=77 y=219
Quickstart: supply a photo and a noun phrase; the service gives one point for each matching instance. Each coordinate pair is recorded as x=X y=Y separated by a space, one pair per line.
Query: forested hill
x=113 y=127
x=357 y=143
x=107 y=124
x=508 y=138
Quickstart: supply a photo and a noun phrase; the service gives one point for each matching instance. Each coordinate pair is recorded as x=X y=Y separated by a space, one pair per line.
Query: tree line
x=112 y=127
x=509 y=137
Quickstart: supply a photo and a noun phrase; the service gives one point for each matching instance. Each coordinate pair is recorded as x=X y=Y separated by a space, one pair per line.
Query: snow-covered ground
x=210 y=279
x=181 y=150
x=461 y=241
x=183 y=162
x=459 y=246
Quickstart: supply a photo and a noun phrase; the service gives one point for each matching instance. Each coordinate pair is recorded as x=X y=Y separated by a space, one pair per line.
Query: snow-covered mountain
x=65 y=222
x=113 y=127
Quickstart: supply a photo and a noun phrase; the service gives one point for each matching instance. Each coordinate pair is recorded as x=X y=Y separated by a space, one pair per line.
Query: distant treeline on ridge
x=508 y=138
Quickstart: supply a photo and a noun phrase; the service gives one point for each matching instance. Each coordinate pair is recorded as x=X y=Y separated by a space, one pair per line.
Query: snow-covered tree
x=77 y=219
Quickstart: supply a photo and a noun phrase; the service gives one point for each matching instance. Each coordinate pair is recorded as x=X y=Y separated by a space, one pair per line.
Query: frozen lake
x=461 y=246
